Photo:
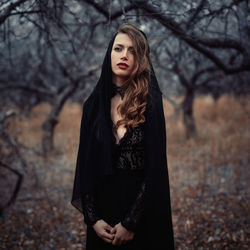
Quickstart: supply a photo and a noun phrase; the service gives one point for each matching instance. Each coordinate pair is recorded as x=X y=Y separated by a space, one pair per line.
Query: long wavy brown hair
x=137 y=85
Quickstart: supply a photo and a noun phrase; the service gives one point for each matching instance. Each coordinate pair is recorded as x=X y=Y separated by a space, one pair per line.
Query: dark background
x=50 y=59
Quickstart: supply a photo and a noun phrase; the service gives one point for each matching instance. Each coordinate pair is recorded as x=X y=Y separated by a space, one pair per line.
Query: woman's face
x=122 y=58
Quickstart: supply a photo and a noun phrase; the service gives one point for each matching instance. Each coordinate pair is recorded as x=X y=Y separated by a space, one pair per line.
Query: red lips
x=122 y=65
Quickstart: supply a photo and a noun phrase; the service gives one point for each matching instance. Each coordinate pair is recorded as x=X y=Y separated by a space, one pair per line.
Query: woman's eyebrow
x=121 y=45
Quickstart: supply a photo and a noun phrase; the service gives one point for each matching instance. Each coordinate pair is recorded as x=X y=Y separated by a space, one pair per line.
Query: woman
x=121 y=181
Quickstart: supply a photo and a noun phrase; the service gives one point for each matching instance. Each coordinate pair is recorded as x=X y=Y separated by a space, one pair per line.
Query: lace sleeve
x=89 y=211
x=134 y=214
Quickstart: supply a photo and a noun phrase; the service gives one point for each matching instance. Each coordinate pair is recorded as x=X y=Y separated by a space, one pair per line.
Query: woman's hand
x=122 y=235
x=103 y=230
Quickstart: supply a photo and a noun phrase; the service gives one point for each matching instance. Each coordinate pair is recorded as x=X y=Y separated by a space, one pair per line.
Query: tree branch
x=196 y=13
x=196 y=76
x=9 y=9
x=28 y=89
x=17 y=186
x=106 y=14
x=199 y=43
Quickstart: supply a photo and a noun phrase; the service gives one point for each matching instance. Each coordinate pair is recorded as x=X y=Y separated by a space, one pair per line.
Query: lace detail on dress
x=89 y=211
x=129 y=153
x=135 y=212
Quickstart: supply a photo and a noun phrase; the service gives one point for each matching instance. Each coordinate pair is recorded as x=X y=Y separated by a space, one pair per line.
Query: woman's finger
x=113 y=230
x=117 y=242
x=107 y=240
x=114 y=242
x=108 y=227
x=107 y=235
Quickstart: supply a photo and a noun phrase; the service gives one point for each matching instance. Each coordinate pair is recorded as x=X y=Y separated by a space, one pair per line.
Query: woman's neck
x=118 y=81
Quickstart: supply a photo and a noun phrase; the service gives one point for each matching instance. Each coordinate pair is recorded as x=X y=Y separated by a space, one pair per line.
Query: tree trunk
x=188 y=117
x=16 y=188
x=48 y=133
x=52 y=119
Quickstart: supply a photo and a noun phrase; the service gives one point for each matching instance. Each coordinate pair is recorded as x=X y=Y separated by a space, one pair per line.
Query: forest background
x=50 y=59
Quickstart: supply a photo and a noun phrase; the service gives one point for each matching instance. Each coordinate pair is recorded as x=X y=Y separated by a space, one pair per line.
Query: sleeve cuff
x=128 y=226
x=91 y=223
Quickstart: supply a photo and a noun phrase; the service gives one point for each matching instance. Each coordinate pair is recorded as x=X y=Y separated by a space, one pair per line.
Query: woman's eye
x=117 y=49
x=132 y=51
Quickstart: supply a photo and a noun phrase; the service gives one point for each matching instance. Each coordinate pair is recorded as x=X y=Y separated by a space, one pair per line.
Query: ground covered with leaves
x=208 y=176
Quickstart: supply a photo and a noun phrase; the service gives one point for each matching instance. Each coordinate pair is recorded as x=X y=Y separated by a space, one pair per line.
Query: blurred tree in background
x=51 y=51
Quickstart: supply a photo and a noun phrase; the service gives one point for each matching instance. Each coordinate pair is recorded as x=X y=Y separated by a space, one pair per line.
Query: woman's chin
x=121 y=77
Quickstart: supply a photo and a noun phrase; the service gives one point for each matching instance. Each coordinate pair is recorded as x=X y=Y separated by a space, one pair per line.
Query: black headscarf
x=94 y=159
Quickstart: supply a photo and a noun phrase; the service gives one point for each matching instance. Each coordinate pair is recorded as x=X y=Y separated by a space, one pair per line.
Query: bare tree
x=191 y=80
x=62 y=97
x=206 y=38
x=61 y=38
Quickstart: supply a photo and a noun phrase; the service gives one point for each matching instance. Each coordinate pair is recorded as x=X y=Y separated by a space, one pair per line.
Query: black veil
x=94 y=159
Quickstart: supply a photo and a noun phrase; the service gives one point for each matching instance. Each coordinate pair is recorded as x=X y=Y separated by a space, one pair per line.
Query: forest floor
x=209 y=177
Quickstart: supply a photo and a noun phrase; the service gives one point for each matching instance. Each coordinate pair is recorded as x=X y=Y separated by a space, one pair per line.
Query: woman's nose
x=125 y=54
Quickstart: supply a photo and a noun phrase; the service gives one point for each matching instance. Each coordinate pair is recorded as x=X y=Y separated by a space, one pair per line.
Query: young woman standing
x=121 y=181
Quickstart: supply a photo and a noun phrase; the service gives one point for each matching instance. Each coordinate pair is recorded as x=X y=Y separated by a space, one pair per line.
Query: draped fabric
x=128 y=160
x=94 y=158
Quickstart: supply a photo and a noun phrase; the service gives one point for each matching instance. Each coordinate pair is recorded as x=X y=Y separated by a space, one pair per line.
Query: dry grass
x=208 y=178
x=209 y=172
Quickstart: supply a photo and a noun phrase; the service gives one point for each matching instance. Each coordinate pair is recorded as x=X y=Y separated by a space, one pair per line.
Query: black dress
x=113 y=197
x=120 y=197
